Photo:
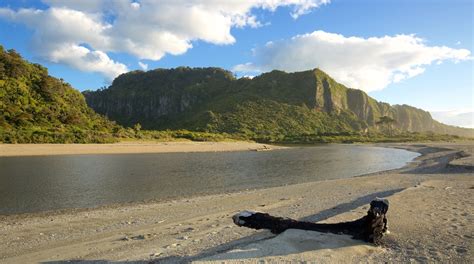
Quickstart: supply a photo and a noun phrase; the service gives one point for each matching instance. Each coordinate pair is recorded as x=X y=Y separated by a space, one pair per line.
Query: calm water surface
x=32 y=184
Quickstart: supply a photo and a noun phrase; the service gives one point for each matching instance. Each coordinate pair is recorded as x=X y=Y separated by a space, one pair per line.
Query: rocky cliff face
x=150 y=98
x=204 y=98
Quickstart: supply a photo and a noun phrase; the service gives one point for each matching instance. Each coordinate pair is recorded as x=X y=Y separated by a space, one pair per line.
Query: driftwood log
x=369 y=228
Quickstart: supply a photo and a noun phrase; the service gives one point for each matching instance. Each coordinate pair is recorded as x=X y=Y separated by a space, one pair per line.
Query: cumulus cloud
x=247 y=67
x=61 y=34
x=368 y=64
x=462 y=118
x=147 y=29
x=87 y=60
x=142 y=65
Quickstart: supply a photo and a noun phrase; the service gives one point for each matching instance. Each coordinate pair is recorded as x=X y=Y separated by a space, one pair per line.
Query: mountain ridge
x=197 y=104
x=212 y=99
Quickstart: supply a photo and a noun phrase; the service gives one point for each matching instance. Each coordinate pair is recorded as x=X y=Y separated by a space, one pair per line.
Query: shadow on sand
x=261 y=236
x=265 y=235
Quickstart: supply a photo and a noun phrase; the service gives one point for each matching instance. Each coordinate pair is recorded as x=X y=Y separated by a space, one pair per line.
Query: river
x=41 y=183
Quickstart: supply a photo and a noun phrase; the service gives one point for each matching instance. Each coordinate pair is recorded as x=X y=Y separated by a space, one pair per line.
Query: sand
x=298 y=246
x=430 y=219
x=8 y=150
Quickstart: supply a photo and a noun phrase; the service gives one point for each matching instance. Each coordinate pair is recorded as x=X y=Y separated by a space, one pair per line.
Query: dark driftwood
x=369 y=228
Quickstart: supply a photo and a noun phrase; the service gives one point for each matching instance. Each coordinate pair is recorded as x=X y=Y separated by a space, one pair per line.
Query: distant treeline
x=38 y=108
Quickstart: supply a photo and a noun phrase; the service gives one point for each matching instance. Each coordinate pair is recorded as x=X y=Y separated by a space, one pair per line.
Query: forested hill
x=274 y=104
x=35 y=107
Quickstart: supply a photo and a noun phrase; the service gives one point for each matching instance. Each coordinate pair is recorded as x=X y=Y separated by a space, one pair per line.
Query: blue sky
x=401 y=52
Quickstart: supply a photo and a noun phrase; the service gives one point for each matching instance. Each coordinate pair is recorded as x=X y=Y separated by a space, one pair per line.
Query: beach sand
x=8 y=150
x=430 y=220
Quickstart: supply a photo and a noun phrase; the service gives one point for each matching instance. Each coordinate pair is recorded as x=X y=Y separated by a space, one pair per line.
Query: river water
x=40 y=183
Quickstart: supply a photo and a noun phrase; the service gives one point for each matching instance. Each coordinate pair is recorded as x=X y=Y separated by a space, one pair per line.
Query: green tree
x=137 y=127
x=386 y=122
x=38 y=108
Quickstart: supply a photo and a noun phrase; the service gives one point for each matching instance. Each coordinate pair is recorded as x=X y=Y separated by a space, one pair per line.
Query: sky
x=415 y=52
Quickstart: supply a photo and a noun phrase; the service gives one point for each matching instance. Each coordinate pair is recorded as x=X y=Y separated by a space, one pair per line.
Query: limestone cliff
x=212 y=99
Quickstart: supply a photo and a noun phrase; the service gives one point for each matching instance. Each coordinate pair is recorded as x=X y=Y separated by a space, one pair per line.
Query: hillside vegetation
x=35 y=107
x=202 y=104
x=274 y=106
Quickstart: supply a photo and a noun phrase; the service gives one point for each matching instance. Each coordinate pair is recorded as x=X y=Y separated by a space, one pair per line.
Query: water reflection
x=29 y=184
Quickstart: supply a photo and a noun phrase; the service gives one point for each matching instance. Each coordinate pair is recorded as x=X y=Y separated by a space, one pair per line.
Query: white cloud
x=368 y=64
x=135 y=5
x=87 y=60
x=462 y=118
x=147 y=29
x=60 y=35
x=247 y=67
x=142 y=65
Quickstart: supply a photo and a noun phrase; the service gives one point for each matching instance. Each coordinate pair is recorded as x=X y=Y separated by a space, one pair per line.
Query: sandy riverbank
x=430 y=220
x=7 y=150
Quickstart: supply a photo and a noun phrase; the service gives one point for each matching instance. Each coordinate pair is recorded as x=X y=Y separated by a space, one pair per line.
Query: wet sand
x=8 y=150
x=430 y=219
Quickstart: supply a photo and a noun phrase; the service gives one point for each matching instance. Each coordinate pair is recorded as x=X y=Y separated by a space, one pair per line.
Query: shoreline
x=139 y=147
x=196 y=228
x=268 y=147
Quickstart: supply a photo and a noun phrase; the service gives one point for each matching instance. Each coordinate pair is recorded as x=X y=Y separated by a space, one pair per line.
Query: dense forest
x=203 y=104
x=275 y=106
x=35 y=107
